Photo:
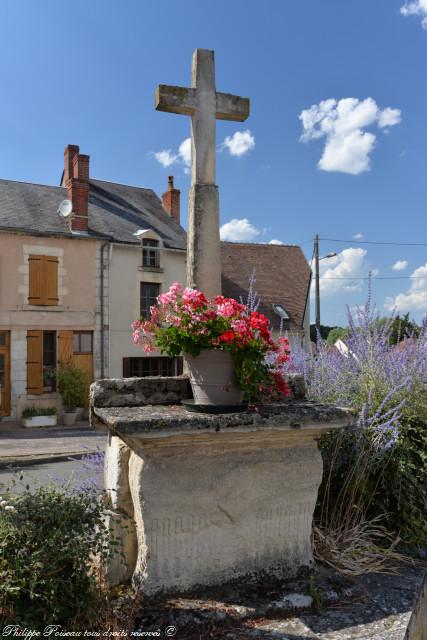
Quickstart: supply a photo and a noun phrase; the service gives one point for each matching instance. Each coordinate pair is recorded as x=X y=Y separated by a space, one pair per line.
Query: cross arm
x=229 y=107
x=175 y=99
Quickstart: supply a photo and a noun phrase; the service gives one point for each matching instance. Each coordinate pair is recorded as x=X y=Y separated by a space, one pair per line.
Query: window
x=49 y=361
x=43 y=353
x=141 y=367
x=41 y=361
x=82 y=342
x=43 y=280
x=148 y=297
x=150 y=253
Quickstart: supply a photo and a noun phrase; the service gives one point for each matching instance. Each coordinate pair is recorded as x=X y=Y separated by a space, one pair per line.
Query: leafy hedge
x=48 y=541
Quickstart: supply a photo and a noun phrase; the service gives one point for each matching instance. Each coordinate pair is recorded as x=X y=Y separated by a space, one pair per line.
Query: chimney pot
x=70 y=151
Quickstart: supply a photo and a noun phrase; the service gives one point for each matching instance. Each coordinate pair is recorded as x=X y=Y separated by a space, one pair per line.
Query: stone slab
x=158 y=420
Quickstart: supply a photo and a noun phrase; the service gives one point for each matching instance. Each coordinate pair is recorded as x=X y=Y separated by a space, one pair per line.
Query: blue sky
x=85 y=73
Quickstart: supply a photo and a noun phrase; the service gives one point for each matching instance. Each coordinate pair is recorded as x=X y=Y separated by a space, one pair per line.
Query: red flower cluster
x=185 y=321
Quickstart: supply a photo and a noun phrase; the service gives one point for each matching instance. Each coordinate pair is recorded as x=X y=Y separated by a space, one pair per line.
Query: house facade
x=48 y=298
x=80 y=261
x=74 y=277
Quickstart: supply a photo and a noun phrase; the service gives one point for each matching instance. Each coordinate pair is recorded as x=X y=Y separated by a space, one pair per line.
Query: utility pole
x=317 y=281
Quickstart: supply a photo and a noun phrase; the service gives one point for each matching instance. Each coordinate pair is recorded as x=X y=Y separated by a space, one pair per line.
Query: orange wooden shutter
x=35 y=362
x=50 y=280
x=43 y=280
x=65 y=347
x=36 y=294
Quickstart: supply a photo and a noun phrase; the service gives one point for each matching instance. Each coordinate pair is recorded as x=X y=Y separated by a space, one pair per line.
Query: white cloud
x=399 y=265
x=274 y=241
x=165 y=157
x=333 y=271
x=342 y=123
x=416 y=8
x=389 y=117
x=239 y=230
x=240 y=143
x=415 y=298
x=358 y=236
x=183 y=156
x=184 y=152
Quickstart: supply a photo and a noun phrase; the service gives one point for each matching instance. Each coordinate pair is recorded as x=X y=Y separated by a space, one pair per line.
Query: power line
x=373 y=278
x=398 y=244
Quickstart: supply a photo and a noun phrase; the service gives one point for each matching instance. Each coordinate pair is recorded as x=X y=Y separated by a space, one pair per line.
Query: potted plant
x=72 y=386
x=228 y=348
x=43 y=417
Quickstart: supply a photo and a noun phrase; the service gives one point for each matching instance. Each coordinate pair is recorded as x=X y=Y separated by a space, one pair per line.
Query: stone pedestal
x=216 y=498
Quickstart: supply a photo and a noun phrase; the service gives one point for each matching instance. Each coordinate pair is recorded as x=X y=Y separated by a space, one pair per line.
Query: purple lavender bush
x=379 y=467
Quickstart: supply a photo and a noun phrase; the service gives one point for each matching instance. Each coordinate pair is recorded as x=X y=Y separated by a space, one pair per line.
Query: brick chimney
x=76 y=179
x=171 y=200
x=70 y=151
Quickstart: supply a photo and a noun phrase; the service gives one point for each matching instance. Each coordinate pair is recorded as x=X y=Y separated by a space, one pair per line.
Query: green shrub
x=48 y=411
x=402 y=493
x=48 y=540
x=32 y=412
x=72 y=385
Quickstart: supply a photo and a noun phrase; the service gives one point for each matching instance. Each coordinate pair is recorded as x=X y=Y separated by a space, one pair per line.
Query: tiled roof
x=115 y=211
x=282 y=277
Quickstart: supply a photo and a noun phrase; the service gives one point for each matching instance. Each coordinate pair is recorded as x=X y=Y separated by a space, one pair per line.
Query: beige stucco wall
x=77 y=309
x=125 y=276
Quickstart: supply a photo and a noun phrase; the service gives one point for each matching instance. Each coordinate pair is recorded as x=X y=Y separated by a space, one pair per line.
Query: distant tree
x=401 y=327
x=324 y=332
x=338 y=333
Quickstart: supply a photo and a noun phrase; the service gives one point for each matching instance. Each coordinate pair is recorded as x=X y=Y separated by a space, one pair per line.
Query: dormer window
x=150 y=253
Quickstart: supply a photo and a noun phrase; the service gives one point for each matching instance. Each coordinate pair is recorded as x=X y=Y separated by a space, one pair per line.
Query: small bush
x=48 y=542
x=402 y=493
x=32 y=412
x=72 y=384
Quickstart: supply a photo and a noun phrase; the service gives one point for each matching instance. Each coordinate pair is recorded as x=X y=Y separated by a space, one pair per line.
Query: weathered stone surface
x=134 y=392
x=217 y=497
x=298 y=418
x=120 y=518
x=212 y=516
x=203 y=243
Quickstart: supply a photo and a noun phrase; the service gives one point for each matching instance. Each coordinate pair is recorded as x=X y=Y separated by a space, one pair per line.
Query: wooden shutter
x=65 y=347
x=35 y=362
x=51 y=280
x=35 y=294
x=43 y=280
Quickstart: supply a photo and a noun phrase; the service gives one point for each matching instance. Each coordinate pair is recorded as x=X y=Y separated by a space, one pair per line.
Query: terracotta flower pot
x=213 y=378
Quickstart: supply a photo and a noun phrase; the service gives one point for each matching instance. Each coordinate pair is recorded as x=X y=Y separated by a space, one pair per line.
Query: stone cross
x=205 y=105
